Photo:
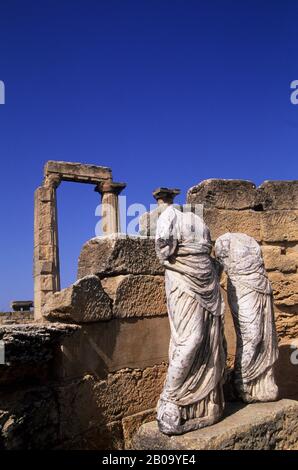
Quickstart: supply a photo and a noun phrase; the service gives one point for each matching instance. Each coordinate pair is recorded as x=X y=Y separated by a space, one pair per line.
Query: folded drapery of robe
x=251 y=302
x=192 y=396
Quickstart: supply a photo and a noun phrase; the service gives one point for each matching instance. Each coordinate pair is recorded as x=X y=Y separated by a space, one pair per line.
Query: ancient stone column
x=110 y=207
x=46 y=251
x=165 y=195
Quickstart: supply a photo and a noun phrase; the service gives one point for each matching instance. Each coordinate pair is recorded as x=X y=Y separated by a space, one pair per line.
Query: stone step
x=258 y=426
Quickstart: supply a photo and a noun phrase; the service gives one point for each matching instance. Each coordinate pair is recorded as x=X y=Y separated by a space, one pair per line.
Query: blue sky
x=166 y=93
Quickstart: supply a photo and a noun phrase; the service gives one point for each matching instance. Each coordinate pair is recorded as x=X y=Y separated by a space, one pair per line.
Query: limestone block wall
x=269 y=214
x=16 y=317
x=109 y=373
x=120 y=362
x=94 y=371
x=29 y=405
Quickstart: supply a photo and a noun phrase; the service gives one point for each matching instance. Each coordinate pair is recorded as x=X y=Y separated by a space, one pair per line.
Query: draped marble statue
x=192 y=396
x=251 y=303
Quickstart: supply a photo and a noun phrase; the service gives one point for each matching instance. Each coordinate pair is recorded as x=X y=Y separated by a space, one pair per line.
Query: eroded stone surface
x=32 y=342
x=84 y=301
x=120 y=395
x=285 y=288
x=279 y=226
x=80 y=172
x=275 y=258
x=279 y=194
x=29 y=419
x=241 y=194
x=222 y=221
x=107 y=436
x=257 y=426
x=287 y=323
x=136 y=295
x=132 y=423
x=104 y=347
x=223 y=194
x=8 y=318
x=114 y=254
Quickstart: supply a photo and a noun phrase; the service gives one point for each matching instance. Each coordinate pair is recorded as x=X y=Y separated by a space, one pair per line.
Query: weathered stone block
x=100 y=437
x=43 y=267
x=47 y=282
x=83 y=301
x=279 y=194
x=275 y=260
x=222 y=221
x=136 y=295
x=28 y=419
x=286 y=323
x=43 y=237
x=78 y=171
x=101 y=348
x=119 y=395
x=32 y=343
x=128 y=392
x=223 y=194
x=29 y=352
x=132 y=423
x=46 y=212
x=46 y=194
x=257 y=426
x=44 y=253
x=118 y=255
x=279 y=226
x=285 y=288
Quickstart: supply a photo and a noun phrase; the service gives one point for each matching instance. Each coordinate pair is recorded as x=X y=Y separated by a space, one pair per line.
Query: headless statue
x=251 y=303
x=192 y=396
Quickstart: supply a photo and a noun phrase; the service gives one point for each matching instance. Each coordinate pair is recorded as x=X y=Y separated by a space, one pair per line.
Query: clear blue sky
x=166 y=93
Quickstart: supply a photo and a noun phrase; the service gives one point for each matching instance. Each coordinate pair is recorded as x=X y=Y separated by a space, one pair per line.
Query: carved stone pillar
x=110 y=208
x=46 y=248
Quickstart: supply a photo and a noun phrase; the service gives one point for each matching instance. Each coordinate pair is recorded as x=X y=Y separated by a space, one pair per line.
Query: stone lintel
x=77 y=172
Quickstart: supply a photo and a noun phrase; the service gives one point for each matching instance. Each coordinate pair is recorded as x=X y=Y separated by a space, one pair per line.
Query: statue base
x=258 y=426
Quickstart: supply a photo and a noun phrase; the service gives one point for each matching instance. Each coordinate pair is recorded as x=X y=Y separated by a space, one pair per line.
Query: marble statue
x=192 y=396
x=251 y=303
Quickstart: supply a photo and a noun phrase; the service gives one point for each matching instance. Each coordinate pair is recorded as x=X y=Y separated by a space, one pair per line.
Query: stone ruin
x=46 y=248
x=87 y=373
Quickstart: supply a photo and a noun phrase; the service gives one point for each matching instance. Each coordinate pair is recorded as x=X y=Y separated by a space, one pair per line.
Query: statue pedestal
x=257 y=426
